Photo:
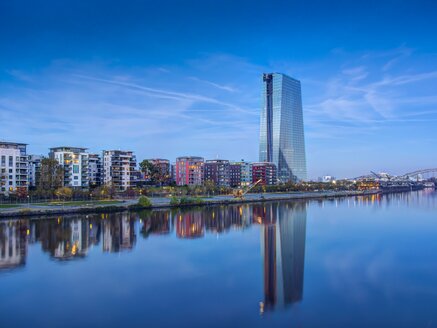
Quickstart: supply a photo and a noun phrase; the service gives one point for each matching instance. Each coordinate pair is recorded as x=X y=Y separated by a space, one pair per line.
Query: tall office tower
x=118 y=168
x=74 y=161
x=281 y=127
x=13 y=167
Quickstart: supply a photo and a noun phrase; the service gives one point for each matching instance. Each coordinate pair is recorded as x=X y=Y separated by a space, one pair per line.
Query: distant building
x=266 y=172
x=189 y=171
x=34 y=168
x=281 y=127
x=95 y=170
x=137 y=179
x=240 y=174
x=328 y=178
x=217 y=171
x=74 y=161
x=173 y=173
x=118 y=166
x=13 y=167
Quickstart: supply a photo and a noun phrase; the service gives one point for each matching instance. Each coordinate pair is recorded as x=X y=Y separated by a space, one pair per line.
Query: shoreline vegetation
x=141 y=203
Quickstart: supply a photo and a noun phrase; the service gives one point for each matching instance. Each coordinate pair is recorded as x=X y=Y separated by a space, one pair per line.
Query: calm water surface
x=354 y=262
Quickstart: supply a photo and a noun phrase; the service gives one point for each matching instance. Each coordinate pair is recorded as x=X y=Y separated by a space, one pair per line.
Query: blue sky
x=168 y=78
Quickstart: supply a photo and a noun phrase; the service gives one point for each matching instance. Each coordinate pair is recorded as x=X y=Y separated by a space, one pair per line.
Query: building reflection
x=13 y=244
x=283 y=230
x=190 y=224
x=155 y=223
x=63 y=239
x=118 y=232
x=282 y=227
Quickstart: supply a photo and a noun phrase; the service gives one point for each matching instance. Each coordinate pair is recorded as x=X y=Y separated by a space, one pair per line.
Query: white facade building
x=118 y=168
x=74 y=161
x=13 y=167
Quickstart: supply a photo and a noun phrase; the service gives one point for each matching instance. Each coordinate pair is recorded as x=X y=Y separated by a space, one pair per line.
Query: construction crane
x=239 y=193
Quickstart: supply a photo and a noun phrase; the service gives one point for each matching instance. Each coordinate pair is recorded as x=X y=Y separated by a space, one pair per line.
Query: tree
x=210 y=187
x=156 y=174
x=64 y=193
x=51 y=176
x=105 y=191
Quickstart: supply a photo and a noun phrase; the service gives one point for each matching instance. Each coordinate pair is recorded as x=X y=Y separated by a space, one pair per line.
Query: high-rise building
x=13 y=167
x=266 y=172
x=189 y=170
x=118 y=166
x=217 y=171
x=95 y=170
x=74 y=161
x=281 y=127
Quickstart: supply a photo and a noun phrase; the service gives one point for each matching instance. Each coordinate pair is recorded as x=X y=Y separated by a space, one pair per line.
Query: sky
x=170 y=78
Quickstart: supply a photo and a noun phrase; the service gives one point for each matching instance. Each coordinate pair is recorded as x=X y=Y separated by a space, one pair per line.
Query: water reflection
x=13 y=244
x=171 y=259
x=68 y=238
x=283 y=233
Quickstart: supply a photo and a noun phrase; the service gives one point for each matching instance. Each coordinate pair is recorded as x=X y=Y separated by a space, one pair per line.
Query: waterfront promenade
x=161 y=202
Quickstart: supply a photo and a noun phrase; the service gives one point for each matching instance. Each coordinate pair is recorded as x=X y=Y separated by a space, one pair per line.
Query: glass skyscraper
x=281 y=127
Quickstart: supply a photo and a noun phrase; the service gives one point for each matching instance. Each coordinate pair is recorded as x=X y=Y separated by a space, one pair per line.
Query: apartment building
x=95 y=170
x=13 y=167
x=118 y=168
x=34 y=168
x=217 y=171
x=240 y=174
x=264 y=171
x=74 y=161
x=189 y=170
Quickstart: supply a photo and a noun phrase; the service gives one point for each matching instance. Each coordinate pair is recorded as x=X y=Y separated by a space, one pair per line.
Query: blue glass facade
x=281 y=127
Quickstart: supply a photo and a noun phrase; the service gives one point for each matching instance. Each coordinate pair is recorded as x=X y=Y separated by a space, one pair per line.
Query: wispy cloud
x=216 y=85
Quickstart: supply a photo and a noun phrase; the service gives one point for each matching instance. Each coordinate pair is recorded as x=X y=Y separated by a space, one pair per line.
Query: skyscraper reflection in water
x=283 y=252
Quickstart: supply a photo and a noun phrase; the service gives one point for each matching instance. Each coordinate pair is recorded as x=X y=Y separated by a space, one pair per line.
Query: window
x=75 y=168
x=11 y=161
x=3 y=160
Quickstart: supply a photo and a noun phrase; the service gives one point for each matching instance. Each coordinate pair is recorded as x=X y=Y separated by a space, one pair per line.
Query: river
x=348 y=262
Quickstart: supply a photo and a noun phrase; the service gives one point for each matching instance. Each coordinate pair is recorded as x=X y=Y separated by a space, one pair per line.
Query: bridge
x=424 y=174
x=419 y=174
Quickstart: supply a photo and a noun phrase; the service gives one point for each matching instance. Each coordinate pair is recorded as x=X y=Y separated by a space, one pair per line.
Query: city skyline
x=182 y=83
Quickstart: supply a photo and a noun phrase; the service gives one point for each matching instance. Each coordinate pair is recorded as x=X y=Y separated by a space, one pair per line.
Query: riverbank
x=162 y=202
